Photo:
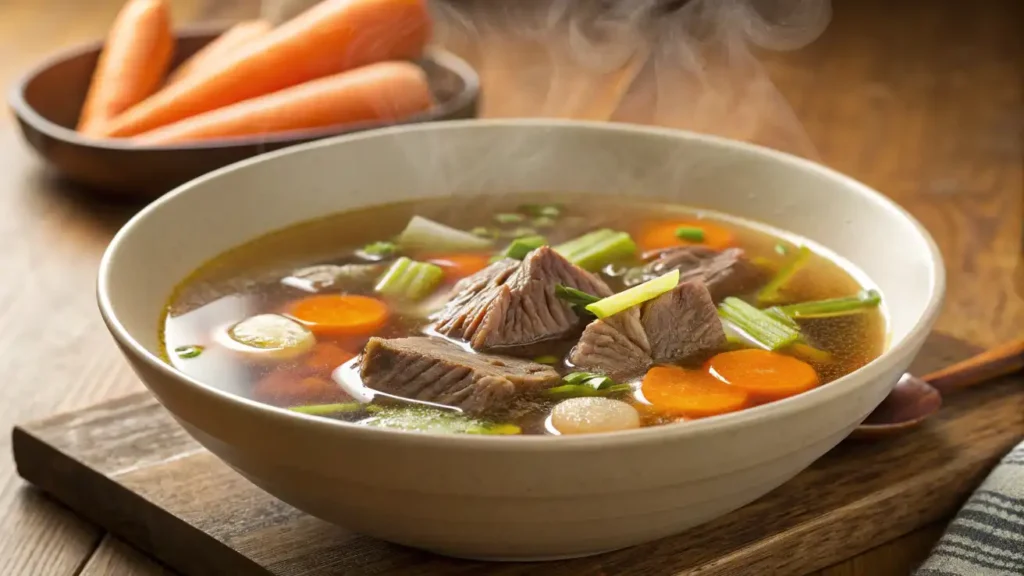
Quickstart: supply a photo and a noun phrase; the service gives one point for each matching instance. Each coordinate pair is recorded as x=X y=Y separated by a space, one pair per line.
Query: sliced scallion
x=636 y=295
x=781 y=249
x=771 y=290
x=581 y=390
x=425 y=233
x=833 y=307
x=509 y=218
x=409 y=279
x=764 y=329
x=380 y=249
x=186 y=352
x=485 y=232
x=574 y=296
x=327 y=409
x=543 y=222
x=595 y=249
x=549 y=210
x=690 y=234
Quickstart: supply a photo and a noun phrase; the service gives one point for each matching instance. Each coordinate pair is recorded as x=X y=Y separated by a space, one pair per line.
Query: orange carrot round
x=765 y=375
x=383 y=92
x=131 y=66
x=331 y=37
x=326 y=356
x=458 y=266
x=660 y=235
x=341 y=314
x=220 y=47
x=690 y=393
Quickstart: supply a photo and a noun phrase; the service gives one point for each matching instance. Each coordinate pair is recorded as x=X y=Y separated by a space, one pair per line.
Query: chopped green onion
x=781 y=249
x=832 y=307
x=509 y=218
x=520 y=232
x=574 y=296
x=762 y=328
x=186 y=352
x=777 y=313
x=636 y=295
x=409 y=279
x=595 y=249
x=424 y=233
x=549 y=210
x=770 y=292
x=580 y=390
x=520 y=247
x=380 y=249
x=417 y=419
x=549 y=360
x=690 y=233
x=326 y=409
x=484 y=232
x=543 y=222
x=577 y=377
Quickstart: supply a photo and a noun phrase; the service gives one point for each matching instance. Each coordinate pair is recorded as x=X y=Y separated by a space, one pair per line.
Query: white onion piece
x=593 y=414
x=270 y=337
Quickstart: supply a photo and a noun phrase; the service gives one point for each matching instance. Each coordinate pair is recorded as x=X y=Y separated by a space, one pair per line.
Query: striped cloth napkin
x=987 y=536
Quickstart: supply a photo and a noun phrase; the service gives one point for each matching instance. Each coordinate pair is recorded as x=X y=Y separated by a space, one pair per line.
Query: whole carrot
x=383 y=91
x=131 y=65
x=218 y=49
x=331 y=37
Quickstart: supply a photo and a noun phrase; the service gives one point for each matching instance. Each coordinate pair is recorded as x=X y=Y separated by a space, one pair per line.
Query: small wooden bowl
x=47 y=101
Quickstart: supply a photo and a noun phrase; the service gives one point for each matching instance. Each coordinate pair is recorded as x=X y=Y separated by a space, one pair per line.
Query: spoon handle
x=999 y=361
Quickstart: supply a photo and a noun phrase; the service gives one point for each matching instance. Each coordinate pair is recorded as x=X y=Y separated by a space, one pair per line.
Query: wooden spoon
x=914 y=399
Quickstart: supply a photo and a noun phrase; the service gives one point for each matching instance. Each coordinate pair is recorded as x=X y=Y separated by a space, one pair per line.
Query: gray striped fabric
x=987 y=536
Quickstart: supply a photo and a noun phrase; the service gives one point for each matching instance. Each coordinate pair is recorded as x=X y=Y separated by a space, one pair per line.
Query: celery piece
x=409 y=279
x=520 y=247
x=832 y=307
x=636 y=295
x=777 y=313
x=595 y=249
x=425 y=233
x=771 y=290
x=762 y=328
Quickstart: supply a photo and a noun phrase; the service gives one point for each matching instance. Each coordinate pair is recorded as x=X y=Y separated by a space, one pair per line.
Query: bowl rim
x=18 y=102
x=597 y=441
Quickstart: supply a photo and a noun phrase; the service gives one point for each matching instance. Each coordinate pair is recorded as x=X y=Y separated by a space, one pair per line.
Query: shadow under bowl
x=47 y=101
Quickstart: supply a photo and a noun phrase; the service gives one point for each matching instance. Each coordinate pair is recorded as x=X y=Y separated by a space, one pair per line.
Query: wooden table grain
x=921 y=100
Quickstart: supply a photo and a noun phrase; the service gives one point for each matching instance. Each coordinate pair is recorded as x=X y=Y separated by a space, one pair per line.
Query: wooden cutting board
x=127 y=466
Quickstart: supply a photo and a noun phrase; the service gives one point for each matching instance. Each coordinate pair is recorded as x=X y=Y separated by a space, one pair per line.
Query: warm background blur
x=917 y=98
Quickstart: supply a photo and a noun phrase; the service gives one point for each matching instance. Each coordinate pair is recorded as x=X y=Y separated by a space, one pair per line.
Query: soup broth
x=545 y=314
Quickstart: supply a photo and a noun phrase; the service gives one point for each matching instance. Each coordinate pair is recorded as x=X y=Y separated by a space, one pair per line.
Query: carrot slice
x=132 y=64
x=330 y=37
x=382 y=92
x=690 y=393
x=458 y=266
x=340 y=315
x=660 y=235
x=765 y=375
x=220 y=47
x=285 y=387
x=327 y=356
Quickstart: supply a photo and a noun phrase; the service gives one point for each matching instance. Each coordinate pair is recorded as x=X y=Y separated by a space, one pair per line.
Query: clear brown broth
x=246 y=281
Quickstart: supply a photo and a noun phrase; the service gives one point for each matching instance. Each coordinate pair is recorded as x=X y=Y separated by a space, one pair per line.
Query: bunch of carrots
x=341 y=61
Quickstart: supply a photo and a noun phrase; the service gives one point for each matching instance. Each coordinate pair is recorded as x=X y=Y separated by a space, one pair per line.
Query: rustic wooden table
x=921 y=100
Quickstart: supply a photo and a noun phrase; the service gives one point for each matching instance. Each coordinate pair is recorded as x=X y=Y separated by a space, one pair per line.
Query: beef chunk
x=616 y=346
x=435 y=370
x=682 y=323
x=725 y=273
x=513 y=303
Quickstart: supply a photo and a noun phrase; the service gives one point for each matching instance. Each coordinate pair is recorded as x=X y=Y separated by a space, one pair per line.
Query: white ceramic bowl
x=525 y=497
